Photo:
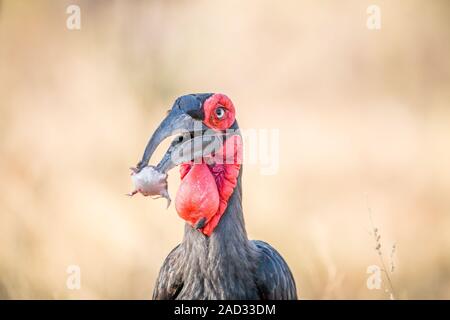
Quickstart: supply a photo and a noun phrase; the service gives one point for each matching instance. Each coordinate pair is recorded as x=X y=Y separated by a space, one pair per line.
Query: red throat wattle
x=206 y=188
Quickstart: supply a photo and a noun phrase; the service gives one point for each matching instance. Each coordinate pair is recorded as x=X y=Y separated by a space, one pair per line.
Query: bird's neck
x=222 y=265
x=230 y=229
x=228 y=246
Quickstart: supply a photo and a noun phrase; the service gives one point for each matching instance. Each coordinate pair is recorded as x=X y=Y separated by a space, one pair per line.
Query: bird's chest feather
x=219 y=282
x=217 y=267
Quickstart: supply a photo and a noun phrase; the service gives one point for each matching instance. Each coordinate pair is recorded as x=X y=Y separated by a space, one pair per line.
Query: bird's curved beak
x=189 y=144
x=176 y=122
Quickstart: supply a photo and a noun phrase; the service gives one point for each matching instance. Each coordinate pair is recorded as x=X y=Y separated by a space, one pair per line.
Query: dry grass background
x=359 y=112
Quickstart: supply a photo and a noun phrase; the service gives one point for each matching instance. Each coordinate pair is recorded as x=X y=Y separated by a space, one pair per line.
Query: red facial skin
x=210 y=106
x=197 y=196
x=206 y=188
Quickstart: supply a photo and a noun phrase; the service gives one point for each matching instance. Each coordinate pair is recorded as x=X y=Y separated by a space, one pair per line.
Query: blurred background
x=364 y=122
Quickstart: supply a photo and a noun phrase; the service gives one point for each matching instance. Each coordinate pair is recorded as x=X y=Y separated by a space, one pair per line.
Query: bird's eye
x=220 y=112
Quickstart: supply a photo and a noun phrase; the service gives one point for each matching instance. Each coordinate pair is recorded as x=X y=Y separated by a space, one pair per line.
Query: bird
x=215 y=259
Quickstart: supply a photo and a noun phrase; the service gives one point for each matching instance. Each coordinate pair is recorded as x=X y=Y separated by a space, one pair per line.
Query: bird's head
x=208 y=149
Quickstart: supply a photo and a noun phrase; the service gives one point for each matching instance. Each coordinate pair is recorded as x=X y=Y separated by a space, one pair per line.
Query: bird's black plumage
x=225 y=265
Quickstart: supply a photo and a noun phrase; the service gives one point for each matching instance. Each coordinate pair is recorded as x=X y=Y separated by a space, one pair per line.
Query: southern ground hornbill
x=215 y=260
